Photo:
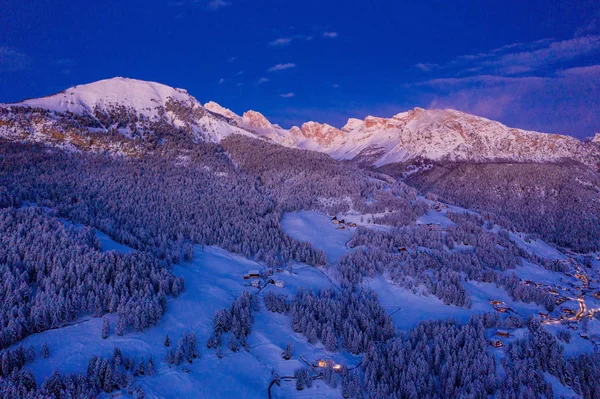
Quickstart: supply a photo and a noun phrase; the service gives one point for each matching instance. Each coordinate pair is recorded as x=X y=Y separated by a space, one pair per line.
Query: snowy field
x=537 y=247
x=408 y=309
x=317 y=229
x=213 y=280
x=530 y=271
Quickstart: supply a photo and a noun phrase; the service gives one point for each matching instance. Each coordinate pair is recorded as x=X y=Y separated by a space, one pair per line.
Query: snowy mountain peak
x=454 y=136
x=352 y=124
x=256 y=120
x=218 y=109
x=596 y=138
x=321 y=133
x=134 y=108
x=140 y=95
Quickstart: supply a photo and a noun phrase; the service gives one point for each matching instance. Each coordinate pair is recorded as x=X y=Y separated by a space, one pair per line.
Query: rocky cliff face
x=453 y=135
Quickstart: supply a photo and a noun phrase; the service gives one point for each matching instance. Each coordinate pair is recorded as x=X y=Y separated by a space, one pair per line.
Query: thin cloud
x=221 y=81
x=12 y=60
x=263 y=80
x=281 y=67
x=232 y=58
x=217 y=4
x=287 y=95
x=208 y=4
x=426 y=67
x=520 y=58
x=286 y=40
x=562 y=102
x=282 y=41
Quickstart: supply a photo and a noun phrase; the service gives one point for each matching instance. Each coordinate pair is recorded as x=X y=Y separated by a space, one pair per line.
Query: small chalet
x=335 y=220
x=279 y=283
x=253 y=273
x=503 y=333
x=496 y=343
x=501 y=309
x=496 y=302
x=351 y=224
x=256 y=283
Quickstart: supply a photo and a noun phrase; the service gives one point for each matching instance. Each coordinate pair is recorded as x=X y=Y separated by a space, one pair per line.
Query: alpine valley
x=152 y=246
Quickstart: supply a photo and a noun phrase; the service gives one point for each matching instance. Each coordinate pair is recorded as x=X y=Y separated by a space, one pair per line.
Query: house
x=337 y=368
x=256 y=283
x=335 y=220
x=351 y=224
x=496 y=343
x=402 y=249
x=253 y=273
x=246 y=276
x=501 y=309
x=503 y=333
x=341 y=227
x=342 y=221
x=496 y=302
x=279 y=283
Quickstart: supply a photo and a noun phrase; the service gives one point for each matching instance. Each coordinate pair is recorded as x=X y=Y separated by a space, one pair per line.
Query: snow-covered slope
x=133 y=108
x=144 y=97
x=139 y=109
x=430 y=134
x=451 y=135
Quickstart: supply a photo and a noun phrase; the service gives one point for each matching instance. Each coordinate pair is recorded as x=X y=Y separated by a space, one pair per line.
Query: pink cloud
x=520 y=58
x=282 y=41
x=566 y=102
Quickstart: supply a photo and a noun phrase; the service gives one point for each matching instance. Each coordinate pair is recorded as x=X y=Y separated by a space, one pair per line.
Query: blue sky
x=534 y=65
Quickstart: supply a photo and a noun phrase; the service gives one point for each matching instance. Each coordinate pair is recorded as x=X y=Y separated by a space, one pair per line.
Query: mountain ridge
x=137 y=109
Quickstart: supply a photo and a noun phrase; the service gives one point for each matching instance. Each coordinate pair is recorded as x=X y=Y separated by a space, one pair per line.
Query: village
x=342 y=224
x=577 y=299
x=260 y=279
